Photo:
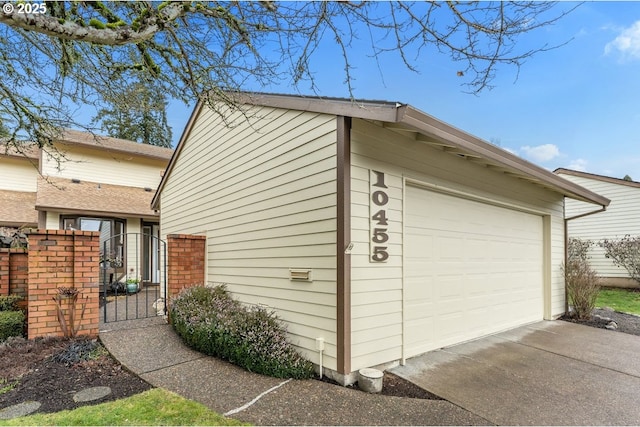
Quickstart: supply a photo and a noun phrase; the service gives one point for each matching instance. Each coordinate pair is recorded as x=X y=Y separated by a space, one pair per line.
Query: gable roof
x=65 y=195
x=17 y=208
x=612 y=180
x=405 y=118
x=87 y=139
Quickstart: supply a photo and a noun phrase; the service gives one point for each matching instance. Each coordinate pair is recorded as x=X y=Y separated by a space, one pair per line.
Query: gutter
x=566 y=247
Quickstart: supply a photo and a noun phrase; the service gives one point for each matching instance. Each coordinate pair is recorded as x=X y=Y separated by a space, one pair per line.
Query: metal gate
x=133 y=277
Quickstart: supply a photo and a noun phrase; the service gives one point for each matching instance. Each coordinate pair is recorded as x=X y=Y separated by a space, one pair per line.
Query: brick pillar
x=4 y=271
x=61 y=258
x=185 y=262
x=14 y=273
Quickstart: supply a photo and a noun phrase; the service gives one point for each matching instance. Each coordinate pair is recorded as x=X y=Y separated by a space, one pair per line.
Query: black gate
x=133 y=277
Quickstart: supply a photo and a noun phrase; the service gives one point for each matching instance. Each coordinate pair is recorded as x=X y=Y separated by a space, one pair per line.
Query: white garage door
x=471 y=269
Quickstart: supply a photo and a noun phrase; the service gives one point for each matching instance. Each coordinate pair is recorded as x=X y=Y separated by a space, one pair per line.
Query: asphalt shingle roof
x=87 y=197
x=17 y=208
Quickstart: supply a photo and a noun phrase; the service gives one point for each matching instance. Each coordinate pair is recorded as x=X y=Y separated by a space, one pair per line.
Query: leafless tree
x=58 y=56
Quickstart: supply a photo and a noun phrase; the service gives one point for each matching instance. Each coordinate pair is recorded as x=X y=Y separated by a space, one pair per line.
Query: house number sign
x=379 y=223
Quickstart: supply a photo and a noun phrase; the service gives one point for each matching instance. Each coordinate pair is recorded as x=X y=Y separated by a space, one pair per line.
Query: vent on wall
x=300 y=274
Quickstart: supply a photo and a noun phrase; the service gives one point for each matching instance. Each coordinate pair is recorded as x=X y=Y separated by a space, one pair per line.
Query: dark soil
x=627 y=323
x=46 y=370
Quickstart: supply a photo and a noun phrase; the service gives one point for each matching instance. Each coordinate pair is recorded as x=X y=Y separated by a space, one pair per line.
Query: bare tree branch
x=76 y=54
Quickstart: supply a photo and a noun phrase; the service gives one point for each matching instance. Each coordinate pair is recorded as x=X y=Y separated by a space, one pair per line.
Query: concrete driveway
x=547 y=373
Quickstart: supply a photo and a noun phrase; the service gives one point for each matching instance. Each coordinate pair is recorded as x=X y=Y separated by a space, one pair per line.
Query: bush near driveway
x=209 y=320
x=582 y=282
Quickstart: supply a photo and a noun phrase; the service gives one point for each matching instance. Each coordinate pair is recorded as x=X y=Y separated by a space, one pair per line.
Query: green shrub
x=11 y=324
x=212 y=322
x=9 y=302
x=582 y=282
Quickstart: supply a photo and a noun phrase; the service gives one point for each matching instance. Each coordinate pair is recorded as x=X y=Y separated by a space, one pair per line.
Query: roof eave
x=79 y=211
x=466 y=142
x=391 y=112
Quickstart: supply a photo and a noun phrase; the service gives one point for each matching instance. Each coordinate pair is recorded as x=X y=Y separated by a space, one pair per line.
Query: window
x=111 y=235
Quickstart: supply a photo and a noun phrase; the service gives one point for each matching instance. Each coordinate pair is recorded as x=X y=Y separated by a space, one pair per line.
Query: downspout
x=566 y=248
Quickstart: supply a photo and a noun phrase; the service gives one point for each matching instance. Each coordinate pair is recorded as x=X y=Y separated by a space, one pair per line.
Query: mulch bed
x=39 y=376
x=627 y=323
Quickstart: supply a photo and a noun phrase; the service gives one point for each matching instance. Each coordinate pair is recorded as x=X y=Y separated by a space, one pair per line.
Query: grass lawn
x=622 y=300
x=155 y=407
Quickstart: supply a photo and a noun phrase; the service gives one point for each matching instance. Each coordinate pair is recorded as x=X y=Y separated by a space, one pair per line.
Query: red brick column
x=14 y=273
x=60 y=258
x=4 y=271
x=19 y=275
x=185 y=262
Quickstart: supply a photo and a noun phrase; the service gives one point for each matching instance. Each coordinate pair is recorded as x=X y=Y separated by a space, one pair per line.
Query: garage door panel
x=470 y=269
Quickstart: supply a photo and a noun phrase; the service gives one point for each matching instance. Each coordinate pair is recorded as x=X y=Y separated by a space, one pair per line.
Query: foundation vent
x=300 y=274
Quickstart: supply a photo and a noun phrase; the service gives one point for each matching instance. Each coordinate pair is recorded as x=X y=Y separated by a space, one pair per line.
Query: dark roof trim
x=604 y=178
x=413 y=119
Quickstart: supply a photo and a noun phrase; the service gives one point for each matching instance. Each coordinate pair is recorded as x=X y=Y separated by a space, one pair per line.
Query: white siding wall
x=621 y=217
x=18 y=175
x=104 y=167
x=264 y=194
x=377 y=288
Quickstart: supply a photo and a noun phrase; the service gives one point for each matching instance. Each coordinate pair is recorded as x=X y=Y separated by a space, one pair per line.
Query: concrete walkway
x=152 y=350
x=548 y=373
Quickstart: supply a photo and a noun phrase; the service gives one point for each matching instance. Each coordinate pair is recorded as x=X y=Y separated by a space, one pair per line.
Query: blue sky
x=575 y=106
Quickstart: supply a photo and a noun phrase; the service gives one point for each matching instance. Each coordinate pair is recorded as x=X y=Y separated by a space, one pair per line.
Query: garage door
x=471 y=269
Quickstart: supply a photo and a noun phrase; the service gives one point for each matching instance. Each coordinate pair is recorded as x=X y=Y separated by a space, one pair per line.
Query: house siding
x=621 y=217
x=377 y=319
x=105 y=167
x=18 y=174
x=263 y=191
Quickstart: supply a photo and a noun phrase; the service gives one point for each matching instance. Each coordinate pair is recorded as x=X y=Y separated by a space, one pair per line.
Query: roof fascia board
x=446 y=133
x=398 y=113
x=383 y=111
x=73 y=143
x=595 y=177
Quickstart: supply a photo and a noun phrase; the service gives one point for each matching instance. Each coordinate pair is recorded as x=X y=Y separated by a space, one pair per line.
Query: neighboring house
x=371 y=225
x=90 y=182
x=18 y=186
x=622 y=217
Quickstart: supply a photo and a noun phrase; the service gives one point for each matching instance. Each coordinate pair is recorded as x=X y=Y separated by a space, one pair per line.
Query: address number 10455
x=379 y=222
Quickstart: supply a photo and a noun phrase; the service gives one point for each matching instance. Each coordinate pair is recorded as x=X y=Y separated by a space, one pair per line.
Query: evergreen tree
x=137 y=113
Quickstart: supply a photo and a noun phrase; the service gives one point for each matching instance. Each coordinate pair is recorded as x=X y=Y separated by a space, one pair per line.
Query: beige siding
x=621 y=217
x=18 y=174
x=105 y=167
x=377 y=288
x=264 y=194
